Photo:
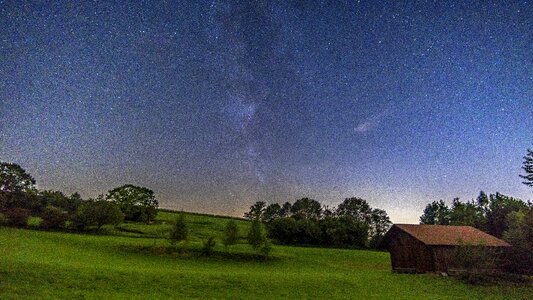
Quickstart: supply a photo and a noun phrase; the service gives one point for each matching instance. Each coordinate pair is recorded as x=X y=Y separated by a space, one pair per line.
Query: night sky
x=217 y=104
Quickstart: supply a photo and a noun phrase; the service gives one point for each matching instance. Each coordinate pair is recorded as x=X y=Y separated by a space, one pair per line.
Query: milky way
x=217 y=104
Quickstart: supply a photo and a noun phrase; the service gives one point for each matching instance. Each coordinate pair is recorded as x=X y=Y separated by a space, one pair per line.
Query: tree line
x=353 y=224
x=505 y=217
x=20 y=199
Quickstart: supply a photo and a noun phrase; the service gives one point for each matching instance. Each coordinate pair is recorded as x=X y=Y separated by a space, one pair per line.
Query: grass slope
x=125 y=263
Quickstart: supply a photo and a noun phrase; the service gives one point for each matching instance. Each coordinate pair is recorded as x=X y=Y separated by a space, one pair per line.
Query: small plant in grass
x=257 y=238
x=231 y=234
x=180 y=231
x=209 y=246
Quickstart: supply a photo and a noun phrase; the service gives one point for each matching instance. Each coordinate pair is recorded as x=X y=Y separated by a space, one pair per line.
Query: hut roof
x=445 y=235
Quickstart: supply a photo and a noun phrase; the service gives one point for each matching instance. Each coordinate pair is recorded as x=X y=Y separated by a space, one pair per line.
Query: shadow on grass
x=195 y=253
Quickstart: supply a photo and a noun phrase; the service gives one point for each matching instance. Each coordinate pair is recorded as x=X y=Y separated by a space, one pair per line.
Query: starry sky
x=217 y=104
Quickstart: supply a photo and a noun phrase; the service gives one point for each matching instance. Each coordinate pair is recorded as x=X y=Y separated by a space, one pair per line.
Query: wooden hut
x=432 y=248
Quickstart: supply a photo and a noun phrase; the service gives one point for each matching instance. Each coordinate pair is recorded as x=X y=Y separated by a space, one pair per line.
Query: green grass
x=134 y=263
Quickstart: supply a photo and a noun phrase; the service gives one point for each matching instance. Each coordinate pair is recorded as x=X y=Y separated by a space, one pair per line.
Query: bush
x=18 y=216
x=209 y=246
x=53 y=218
x=97 y=213
x=180 y=231
x=477 y=261
x=231 y=234
x=3 y=219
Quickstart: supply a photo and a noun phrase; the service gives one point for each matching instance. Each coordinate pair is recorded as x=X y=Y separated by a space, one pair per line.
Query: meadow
x=133 y=261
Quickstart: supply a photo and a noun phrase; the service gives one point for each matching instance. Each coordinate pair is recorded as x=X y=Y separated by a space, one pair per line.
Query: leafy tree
x=97 y=213
x=256 y=211
x=436 y=213
x=283 y=230
x=271 y=212
x=13 y=178
x=306 y=208
x=499 y=208
x=520 y=236
x=58 y=199
x=137 y=203
x=28 y=200
x=527 y=166
x=379 y=225
x=231 y=234
x=467 y=214
x=53 y=218
x=357 y=208
x=285 y=210
x=256 y=235
x=180 y=231
x=308 y=232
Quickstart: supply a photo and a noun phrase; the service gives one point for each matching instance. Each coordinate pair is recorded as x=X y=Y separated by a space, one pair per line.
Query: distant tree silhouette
x=437 y=212
x=357 y=208
x=527 y=166
x=271 y=212
x=13 y=178
x=137 y=203
x=306 y=208
x=256 y=211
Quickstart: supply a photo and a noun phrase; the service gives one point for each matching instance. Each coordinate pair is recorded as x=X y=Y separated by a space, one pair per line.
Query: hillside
x=131 y=262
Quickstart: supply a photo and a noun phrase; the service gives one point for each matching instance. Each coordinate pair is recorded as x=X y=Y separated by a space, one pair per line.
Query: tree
x=285 y=210
x=271 y=212
x=379 y=225
x=256 y=235
x=256 y=211
x=13 y=178
x=231 y=234
x=137 y=203
x=527 y=166
x=437 y=213
x=209 y=246
x=355 y=207
x=306 y=208
x=97 y=213
x=283 y=230
x=467 y=214
x=498 y=209
x=520 y=235
x=180 y=231
x=58 y=199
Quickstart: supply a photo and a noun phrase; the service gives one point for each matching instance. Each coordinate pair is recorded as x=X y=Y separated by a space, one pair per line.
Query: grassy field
x=131 y=261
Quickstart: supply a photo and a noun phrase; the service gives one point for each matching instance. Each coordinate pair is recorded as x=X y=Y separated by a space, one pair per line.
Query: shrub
x=209 y=246
x=180 y=231
x=477 y=261
x=231 y=234
x=18 y=216
x=53 y=218
x=3 y=219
